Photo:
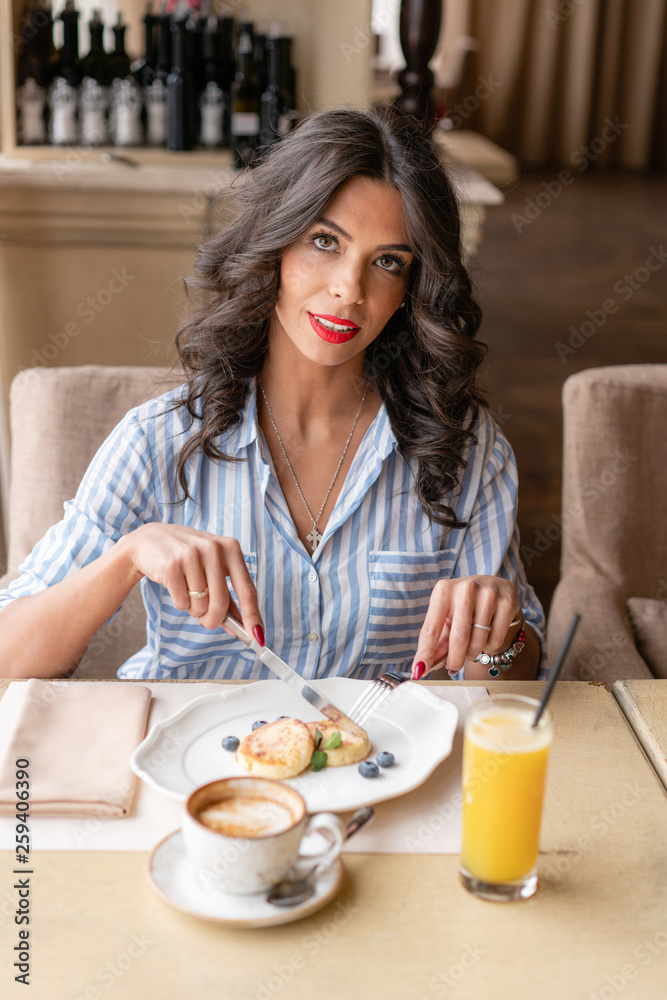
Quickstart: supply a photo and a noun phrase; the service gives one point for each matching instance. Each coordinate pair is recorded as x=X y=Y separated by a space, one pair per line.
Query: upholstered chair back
x=58 y=418
x=614 y=522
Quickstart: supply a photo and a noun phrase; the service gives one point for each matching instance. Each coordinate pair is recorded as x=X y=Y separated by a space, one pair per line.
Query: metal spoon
x=294 y=890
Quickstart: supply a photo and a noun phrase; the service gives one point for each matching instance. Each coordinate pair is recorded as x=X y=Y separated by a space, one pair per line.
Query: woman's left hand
x=456 y=610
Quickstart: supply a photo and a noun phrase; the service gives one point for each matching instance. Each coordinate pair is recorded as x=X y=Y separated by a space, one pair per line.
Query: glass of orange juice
x=504 y=770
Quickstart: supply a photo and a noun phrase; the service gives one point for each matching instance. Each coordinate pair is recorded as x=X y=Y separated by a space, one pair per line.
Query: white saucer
x=172 y=877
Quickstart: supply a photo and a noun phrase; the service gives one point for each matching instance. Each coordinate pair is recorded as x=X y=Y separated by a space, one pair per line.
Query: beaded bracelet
x=503 y=661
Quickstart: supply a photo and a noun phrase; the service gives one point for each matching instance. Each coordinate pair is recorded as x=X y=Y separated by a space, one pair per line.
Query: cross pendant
x=314 y=537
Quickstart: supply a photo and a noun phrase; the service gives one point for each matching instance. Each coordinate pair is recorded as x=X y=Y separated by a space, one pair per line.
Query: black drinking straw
x=556 y=669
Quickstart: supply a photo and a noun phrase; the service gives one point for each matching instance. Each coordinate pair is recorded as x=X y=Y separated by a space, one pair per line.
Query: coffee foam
x=246 y=816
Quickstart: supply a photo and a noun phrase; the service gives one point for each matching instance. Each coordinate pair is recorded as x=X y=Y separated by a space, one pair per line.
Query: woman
x=330 y=453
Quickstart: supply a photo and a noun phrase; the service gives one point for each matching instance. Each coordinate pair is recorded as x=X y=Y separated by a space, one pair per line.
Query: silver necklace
x=315 y=536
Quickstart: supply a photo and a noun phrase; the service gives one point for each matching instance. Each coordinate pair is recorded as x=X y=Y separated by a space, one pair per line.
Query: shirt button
x=312 y=576
x=313 y=636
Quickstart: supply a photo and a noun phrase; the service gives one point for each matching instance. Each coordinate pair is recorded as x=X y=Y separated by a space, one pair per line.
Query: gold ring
x=198 y=594
x=487 y=628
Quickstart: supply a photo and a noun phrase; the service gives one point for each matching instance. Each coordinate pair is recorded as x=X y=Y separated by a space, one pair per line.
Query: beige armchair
x=59 y=417
x=614 y=524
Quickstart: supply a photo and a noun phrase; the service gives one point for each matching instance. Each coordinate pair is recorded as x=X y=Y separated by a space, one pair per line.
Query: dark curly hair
x=424 y=364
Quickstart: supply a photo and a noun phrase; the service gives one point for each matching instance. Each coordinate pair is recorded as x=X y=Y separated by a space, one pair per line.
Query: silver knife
x=289 y=675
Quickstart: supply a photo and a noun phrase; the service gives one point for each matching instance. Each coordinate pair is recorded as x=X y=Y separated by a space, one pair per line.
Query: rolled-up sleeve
x=115 y=496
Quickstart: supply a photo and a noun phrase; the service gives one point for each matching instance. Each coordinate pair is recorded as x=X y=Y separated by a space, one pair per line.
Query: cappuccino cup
x=242 y=835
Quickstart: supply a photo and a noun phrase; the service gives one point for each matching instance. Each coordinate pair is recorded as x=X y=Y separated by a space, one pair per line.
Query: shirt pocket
x=400 y=587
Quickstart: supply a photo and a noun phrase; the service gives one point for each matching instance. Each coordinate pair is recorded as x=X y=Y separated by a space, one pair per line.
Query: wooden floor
x=536 y=281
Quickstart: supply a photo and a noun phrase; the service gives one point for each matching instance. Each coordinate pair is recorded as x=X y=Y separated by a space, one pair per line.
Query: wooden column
x=420 y=22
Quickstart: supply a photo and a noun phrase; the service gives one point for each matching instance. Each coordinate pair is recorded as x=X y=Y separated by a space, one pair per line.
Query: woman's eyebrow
x=339 y=229
x=396 y=246
x=334 y=225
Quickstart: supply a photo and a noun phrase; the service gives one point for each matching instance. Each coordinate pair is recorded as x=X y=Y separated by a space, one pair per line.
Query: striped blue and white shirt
x=355 y=607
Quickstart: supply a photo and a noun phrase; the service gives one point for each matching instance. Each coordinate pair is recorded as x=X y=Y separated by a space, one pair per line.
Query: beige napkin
x=78 y=738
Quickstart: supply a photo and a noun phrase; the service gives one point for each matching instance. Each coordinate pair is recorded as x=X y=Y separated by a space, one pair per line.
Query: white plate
x=184 y=751
x=172 y=876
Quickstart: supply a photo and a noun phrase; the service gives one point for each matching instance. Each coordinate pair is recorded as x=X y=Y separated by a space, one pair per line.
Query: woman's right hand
x=185 y=559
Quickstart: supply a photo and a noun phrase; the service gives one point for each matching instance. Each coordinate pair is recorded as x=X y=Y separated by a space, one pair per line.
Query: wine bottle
x=274 y=105
x=94 y=64
x=94 y=96
x=34 y=74
x=213 y=108
x=246 y=27
x=289 y=73
x=245 y=104
x=64 y=94
x=118 y=62
x=125 y=95
x=144 y=70
x=155 y=93
x=259 y=49
x=163 y=63
x=126 y=107
x=194 y=51
x=70 y=64
x=194 y=69
x=211 y=41
x=181 y=106
x=226 y=78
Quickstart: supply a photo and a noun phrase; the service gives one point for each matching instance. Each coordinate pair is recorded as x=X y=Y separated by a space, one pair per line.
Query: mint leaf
x=318 y=738
x=334 y=741
x=318 y=760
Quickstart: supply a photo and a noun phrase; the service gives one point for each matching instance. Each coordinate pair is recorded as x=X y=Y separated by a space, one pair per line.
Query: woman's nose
x=347 y=282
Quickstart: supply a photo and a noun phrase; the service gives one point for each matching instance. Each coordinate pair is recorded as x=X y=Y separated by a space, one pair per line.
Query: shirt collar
x=383 y=438
x=242 y=435
x=245 y=432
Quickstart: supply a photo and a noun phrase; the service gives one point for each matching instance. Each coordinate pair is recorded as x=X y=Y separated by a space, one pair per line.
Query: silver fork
x=374 y=695
x=370 y=700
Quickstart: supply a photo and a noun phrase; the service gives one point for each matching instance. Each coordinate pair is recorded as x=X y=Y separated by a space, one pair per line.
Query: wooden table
x=402 y=928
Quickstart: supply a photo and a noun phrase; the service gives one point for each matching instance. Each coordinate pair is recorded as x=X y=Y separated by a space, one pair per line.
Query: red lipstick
x=333 y=336
x=338 y=320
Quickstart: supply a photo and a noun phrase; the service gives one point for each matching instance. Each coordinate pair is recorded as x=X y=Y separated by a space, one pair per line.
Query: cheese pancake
x=279 y=749
x=351 y=750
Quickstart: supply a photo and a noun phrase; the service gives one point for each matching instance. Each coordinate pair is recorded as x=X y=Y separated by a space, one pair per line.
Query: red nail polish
x=419 y=670
x=258 y=633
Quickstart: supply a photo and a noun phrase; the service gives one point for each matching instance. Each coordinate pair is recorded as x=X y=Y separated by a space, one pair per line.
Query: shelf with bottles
x=205 y=83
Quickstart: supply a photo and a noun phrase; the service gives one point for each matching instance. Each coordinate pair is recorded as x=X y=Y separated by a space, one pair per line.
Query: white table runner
x=425 y=821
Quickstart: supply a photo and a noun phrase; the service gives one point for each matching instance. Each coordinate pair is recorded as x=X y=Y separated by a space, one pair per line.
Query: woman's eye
x=324 y=242
x=389 y=264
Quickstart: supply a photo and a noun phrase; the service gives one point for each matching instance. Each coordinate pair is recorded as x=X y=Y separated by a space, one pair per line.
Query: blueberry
x=368 y=769
x=230 y=743
x=260 y=722
x=282 y=717
x=386 y=759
